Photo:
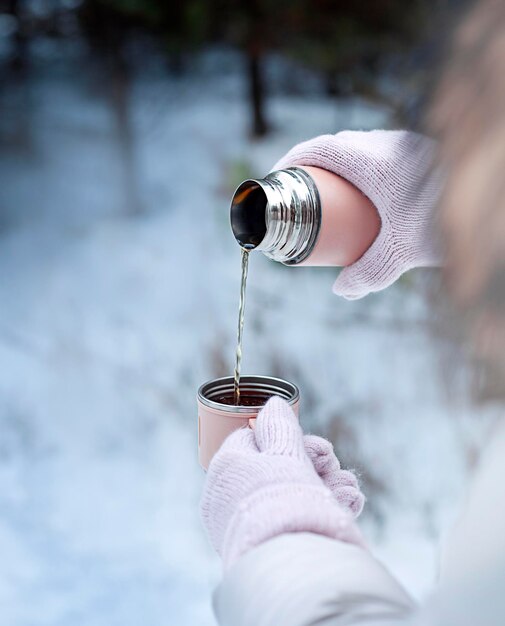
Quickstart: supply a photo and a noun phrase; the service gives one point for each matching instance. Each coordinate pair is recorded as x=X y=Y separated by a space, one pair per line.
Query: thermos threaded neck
x=279 y=215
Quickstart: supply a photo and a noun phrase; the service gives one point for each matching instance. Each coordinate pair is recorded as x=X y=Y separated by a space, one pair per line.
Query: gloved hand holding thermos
x=361 y=200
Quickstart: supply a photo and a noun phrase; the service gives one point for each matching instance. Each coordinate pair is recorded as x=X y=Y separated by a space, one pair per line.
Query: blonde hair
x=468 y=118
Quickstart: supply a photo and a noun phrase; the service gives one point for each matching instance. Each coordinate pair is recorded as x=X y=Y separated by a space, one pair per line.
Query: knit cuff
x=288 y=508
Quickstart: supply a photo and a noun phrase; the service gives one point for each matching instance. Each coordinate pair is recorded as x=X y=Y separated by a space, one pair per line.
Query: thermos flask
x=304 y=216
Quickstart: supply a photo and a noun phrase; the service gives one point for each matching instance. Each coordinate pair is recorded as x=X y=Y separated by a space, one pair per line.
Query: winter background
x=119 y=281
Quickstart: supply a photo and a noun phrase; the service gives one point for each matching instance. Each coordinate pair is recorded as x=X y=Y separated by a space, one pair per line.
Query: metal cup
x=216 y=420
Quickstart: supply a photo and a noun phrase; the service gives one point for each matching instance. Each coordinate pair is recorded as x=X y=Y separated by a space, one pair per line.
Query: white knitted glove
x=342 y=483
x=393 y=169
x=262 y=483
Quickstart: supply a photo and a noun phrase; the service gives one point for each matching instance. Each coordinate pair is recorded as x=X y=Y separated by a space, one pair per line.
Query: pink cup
x=216 y=420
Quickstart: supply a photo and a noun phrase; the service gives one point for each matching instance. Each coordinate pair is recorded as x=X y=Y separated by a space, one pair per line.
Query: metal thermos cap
x=279 y=215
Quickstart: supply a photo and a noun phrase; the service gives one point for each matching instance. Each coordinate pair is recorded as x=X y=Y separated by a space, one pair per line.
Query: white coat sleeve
x=303 y=579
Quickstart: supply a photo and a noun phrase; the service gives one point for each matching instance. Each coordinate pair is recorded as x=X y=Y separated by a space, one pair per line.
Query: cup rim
x=277 y=386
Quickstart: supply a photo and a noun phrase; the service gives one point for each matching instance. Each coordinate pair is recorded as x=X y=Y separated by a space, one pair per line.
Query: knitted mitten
x=393 y=169
x=261 y=483
x=342 y=483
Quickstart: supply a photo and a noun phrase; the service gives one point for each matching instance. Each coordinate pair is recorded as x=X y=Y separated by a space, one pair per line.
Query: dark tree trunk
x=260 y=127
x=108 y=33
x=331 y=84
x=120 y=90
x=20 y=60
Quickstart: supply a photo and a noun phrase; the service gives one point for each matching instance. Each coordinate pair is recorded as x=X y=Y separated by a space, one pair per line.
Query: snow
x=109 y=322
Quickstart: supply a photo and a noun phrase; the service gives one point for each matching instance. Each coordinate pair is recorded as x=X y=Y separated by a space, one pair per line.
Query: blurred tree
x=349 y=38
x=108 y=30
x=18 y=61
x=344 y=39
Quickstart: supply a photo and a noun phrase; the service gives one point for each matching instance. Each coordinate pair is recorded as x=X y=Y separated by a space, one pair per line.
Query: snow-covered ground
x=109 y=322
